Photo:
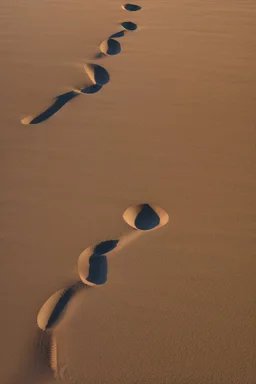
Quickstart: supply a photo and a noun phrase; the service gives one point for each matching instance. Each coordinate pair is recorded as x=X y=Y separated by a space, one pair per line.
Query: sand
x=174 y=126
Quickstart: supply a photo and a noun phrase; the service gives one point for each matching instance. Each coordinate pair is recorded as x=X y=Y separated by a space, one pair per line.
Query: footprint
x=88 y=262
x=97 y=74
x=92 y=263
x=145 y=217
x=129 y=26
x=54 y=308
x=131 y=7
x=117 y=35
x=59 y=102
x=110 y=47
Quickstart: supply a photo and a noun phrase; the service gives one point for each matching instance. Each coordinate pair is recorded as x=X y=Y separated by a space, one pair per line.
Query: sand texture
x=169 y=121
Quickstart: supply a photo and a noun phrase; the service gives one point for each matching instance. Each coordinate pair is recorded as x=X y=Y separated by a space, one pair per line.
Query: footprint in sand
x=131 y=7
x=145 y=217
x=110 y=47
x=52 y=310
x=129 y=25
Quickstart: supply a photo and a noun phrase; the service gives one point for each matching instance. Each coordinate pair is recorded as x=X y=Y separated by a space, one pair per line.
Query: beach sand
x=174 y=126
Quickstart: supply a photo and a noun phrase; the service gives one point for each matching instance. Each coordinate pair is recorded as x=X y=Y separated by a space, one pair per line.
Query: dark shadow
x=97 y=74
x=105 y=247
x=98 y=269
x=117 y=35
x=131 y=7
x=147 y=218
x=61 y=305
x=59 y=102
x=91 y=89
x=129 y=25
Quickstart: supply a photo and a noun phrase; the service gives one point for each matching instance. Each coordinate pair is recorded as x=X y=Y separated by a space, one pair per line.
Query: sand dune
x=170 y=122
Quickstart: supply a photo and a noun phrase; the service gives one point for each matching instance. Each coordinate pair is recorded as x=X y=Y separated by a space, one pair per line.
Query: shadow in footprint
x=91 y=89
x=145 y=217
x=92 y=262
x=117 y=35
x=59 y=102
x=98 y=270
x=97 y=74
x=54 y=308
x=129 y=25
x=110 y=47
x=131 y=7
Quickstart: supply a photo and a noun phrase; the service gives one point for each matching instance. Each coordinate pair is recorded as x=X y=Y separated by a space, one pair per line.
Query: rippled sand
x=174 y=126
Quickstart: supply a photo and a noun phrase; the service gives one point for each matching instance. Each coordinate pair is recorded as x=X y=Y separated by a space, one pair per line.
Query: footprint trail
x=98 y=75
x=93 y=270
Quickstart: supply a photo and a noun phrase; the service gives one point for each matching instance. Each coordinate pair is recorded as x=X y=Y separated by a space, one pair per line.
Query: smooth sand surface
x=174 y=126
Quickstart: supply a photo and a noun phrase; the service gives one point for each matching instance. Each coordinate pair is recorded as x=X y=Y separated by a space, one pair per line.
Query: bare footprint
x=131 y=7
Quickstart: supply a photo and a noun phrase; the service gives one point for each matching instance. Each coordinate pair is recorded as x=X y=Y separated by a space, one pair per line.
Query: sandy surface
x=174 y=126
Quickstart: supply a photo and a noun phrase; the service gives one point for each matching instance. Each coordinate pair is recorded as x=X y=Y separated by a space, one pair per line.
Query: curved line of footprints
x=97 y=74
x=93 y=269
